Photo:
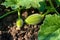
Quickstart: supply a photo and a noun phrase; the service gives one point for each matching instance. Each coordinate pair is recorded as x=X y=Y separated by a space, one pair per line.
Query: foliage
x=58 y=2
x=42 y=6
x=14 y=4
x=50 y=29
x=19 y=4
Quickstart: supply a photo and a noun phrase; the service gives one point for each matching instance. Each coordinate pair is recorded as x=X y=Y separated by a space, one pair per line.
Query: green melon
x=34 y=19
x=19 y=23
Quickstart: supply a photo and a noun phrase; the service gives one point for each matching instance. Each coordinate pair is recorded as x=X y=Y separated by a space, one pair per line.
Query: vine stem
x=19 y=14
x=6 y=14
x=52 y=6
x=46 y=12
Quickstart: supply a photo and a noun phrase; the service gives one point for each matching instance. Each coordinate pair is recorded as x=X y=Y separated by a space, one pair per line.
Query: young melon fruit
x=34 y=19
x=19 y=23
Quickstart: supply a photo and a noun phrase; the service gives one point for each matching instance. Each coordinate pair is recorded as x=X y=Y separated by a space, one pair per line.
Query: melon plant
x=49 y=29
x=17 y=5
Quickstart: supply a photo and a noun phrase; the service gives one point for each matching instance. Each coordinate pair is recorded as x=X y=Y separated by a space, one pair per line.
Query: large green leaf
x=14 y=4
x=50 y=29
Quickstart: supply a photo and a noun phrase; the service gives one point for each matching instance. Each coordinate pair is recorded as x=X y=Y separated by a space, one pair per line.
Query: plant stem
x=46 y=12
x=6 y=14
x=52 y=6
x=18 y=14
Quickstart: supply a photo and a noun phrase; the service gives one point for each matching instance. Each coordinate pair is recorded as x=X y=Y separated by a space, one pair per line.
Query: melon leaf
x=14 y=4
x=50 y=29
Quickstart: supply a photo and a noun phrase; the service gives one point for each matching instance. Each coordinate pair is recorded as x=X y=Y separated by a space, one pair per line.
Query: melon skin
x=19 y=23
x=34 y=19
